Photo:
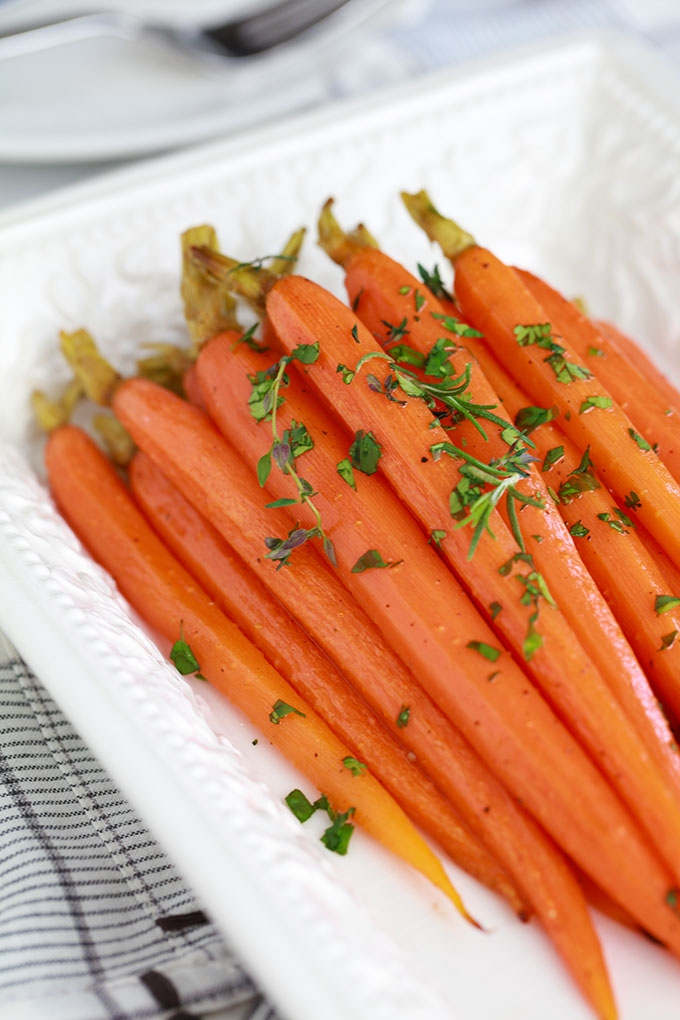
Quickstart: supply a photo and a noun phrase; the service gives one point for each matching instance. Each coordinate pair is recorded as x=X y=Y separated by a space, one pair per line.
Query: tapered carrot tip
x=451 y=238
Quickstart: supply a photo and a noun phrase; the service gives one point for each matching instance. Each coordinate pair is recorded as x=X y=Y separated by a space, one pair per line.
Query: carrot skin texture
x=300 y=310
x=382 y=291
x=245 y=600
x=195 y=458
x=635 y=355
x=98 y=507
x=646 y=407
x=494 y=300
x=627 y=572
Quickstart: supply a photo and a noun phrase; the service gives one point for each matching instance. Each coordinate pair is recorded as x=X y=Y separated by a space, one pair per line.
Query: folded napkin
x=95 y=922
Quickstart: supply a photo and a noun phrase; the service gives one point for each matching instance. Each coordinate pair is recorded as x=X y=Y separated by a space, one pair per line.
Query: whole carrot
x=383 y=293
x=627 y=572
x=184 y=444
x=245 y=600
x=411 y=319
x=96 y=504
x=300 y=311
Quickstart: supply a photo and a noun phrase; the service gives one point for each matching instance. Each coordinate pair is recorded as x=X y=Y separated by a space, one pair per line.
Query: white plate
x=144 y=96
x=565 y=159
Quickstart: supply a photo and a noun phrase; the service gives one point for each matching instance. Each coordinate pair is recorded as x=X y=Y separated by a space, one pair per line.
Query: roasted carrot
x=628 y=574
x=637 y=356
x=399 y=309
x=300 y=310
x=494 y=300
x=655 y=421
x=96 y=504
x=264 y=621
x=184 y=444
x=384 y=293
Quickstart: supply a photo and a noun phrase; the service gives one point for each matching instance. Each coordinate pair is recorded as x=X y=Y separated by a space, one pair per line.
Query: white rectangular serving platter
x=565 y=159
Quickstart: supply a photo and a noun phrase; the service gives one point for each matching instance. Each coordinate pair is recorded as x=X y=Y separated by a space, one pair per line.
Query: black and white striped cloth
x=95 y=922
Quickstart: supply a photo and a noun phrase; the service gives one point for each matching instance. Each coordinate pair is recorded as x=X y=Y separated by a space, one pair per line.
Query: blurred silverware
x=240 y=37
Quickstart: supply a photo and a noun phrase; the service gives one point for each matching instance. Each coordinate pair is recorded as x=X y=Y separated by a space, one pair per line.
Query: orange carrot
x=494 y=300
x=300 y=310
x=635 y=355
x=246 y=601
x=619 y=560
x=98 y=507
x=181 y=440
x=382 y=293
x=657 y=422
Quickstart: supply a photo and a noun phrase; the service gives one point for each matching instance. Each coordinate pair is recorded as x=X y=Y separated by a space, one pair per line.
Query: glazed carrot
x=98 y=507
x=655 y=421
x=300 y=310
x=246 y=601
x=626 y=571
x=493 y=299
x=391 y=302
x=383 y=293
x=637 y=356
x=184 y=444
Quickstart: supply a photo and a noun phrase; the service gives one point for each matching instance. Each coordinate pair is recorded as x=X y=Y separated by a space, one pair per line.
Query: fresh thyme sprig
x=483 y=486
x=264 y=402
x=450 y=391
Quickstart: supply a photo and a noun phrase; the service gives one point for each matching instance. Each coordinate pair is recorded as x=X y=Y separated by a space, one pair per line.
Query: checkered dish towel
x=95 y=922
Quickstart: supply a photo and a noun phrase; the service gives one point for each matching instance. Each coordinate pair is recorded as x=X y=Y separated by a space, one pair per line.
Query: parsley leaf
x=641 y=442
x=184 y=660
x=365 y=452
x=488 y=651
x=529 y=418
x=553 y=456
x=372 y=560
x=403 y=717
x=597 y=401
x=665 y=603
x=346 y=472
x=337 y=836
x=281 y=709
x=356 y=767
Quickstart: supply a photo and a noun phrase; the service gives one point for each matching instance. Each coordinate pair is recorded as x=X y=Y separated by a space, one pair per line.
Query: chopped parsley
x=337 y=836
x=667 y=640
x=281 y=710
x=640 y=440
x=541 y=336
x=403 y=717
x=596 y=401
x=372 y=560
x=665 y=604
x=183 y=658
x=365 y=452
x=356 y=767
x=488 y=651
x=553 y=456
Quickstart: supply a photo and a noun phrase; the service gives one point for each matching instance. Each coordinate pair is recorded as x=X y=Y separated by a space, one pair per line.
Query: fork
x=236 y=39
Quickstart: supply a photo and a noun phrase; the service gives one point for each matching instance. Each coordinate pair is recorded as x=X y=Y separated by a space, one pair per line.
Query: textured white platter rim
x=566 y=159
